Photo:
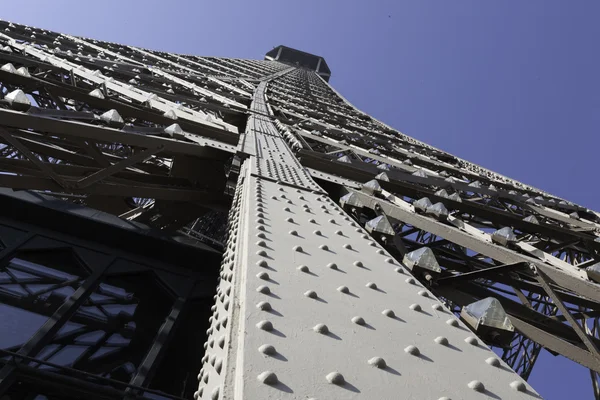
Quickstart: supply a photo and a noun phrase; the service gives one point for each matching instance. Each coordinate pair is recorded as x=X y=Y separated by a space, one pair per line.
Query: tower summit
x=299 y=58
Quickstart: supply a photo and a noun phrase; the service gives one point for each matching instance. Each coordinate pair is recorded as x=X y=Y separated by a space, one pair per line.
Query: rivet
x=317 y=232
x=289 y=219
x=472 y=340
x=262 y=263
x=423 y=293
x=268 y=378
x=413 y=350
x=339 y=233
x=415 y=307
x=261 y=215
x=493 y=361
x=477 y=386
x=267 y=349
x=441 y=340
x=332 y=266
x=312 y=221
x=289 y=202
x=260 y=221
x=437 y=307
x=358 y=264
x=399 y=270
x=263 y=275
x=347 y=246
x=358 y=320
x=264 y=306
x=261 y=243
x=410 y=281
x=518 y=386
x=389 y=260
x=215 y=394
x=263 y=289
x=303 y=268
x=265 y=325
x=324 y=247
x=293 y=233
x=380 y=251
x=321 y=328
x=444 y=398
x=452 y=322
x=364 y=236
x=274 y=197
x=332 y=221
x=343 y=289
x=261 y=253
x=298 y=249
x=336 y=378
x=261 y=228
x=261 y=235
x=287 y=209
x=371 y=285
x=372 y=244
x=311 y=293
x=388 y=313
x=378 y=362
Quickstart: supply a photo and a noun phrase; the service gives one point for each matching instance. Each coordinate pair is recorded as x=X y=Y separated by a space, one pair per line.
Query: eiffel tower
x=175 y=226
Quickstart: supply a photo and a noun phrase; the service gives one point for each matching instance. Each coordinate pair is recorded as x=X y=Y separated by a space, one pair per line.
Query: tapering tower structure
x=175 y=226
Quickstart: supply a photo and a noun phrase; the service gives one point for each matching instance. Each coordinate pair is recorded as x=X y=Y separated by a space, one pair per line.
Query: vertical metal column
x=309 y=305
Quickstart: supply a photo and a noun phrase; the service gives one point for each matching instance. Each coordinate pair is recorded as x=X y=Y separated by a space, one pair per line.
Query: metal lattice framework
x=351 y=260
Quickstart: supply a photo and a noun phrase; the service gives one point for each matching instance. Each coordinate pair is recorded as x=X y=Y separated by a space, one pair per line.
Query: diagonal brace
x=543 y=279
x=113 y=169
x=14 y=142
x=91 y=148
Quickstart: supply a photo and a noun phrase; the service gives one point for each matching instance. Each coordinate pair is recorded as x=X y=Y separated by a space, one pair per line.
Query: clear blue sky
x=510 y=85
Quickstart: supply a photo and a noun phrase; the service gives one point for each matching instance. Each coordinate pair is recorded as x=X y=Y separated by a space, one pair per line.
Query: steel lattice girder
x=302 y=286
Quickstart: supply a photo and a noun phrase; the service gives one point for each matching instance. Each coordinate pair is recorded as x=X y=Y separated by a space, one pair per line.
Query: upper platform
x=296 y=57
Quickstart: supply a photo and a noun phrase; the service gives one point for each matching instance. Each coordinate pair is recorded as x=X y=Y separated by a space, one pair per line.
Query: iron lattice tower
x=350 y=260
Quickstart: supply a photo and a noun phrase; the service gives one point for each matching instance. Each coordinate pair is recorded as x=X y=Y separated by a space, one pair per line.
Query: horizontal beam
x=540 y=328
x=555 y=344
x=568 y=280
x=482 y=273
x=28 y=210
x=413 y=186
x=62 y=128
x=111 y=189
x=125 y=109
